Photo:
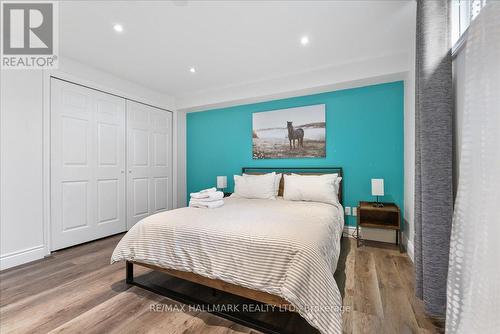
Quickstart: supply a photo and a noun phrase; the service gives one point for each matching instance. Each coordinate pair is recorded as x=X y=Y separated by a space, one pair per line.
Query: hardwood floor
x=77 y=291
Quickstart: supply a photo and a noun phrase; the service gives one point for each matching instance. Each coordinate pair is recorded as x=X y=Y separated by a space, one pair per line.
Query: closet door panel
x=161 y=153
x=110 y=164
x=71 y=164
x=139 y=162
x=161 y=197
x=87 y=164
x=149 y=158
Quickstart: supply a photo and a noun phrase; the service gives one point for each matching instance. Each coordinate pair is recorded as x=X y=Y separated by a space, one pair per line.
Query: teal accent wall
x=364 y=136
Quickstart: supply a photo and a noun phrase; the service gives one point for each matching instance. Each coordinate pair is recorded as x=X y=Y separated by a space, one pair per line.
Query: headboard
x=298 y=170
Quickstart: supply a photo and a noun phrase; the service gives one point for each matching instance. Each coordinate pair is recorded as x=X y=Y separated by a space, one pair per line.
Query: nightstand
x=385 y=217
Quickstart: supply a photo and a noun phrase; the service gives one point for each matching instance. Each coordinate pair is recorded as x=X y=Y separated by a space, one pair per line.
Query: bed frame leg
x=129 y=272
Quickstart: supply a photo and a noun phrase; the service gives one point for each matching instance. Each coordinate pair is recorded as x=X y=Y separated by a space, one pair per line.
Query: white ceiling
x=229 y=42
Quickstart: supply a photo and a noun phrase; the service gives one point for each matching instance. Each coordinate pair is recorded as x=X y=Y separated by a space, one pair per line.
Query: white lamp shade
x=221 y=182
x=377 y=187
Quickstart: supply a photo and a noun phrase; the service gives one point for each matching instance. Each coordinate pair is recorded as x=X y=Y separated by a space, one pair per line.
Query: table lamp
x=378 y=190
x=222 y=182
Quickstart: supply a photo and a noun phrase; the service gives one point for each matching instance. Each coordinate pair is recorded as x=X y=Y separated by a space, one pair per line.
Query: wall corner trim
x=409 y=247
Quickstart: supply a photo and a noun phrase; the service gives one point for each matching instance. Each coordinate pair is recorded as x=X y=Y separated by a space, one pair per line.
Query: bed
x=277 y=252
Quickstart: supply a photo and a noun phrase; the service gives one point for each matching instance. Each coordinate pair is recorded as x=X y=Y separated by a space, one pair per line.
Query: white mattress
x=285 y=248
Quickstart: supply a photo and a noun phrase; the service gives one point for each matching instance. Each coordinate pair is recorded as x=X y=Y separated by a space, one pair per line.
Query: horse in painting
x=295 y=134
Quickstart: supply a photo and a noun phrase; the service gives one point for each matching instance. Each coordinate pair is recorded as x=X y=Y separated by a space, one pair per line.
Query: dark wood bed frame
x=255 y=295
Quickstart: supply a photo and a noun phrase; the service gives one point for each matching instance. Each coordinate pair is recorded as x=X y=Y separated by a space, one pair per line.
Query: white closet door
x=149 y=181
x=87 y=164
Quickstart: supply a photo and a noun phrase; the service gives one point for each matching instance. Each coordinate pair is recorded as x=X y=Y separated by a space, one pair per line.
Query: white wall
x=181 y=159
x=21 y=205
x=24 y=164
x=356 y=74
x=409 y=147
x=95 y=78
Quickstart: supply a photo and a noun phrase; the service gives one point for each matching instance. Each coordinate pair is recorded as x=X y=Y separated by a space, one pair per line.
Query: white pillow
x=276 y=180
x=332 y=174
x=255 y=187
x=337 y=180
x=337 y=184
x=314 y=188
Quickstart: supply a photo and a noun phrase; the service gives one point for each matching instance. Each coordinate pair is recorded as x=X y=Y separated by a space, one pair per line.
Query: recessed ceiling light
x=118 y=27
x=304 y=40
x=192 y=70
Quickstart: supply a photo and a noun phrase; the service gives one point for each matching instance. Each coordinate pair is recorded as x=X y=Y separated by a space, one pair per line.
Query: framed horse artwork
x=289 y=133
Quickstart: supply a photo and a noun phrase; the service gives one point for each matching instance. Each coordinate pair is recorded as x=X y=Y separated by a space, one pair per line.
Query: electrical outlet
x=354 y=211
x=347 y=210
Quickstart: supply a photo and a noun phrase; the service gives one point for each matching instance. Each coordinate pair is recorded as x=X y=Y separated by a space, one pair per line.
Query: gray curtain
x=433 y=153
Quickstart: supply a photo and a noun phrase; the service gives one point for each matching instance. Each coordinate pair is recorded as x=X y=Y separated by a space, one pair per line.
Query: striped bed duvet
x=289 y=249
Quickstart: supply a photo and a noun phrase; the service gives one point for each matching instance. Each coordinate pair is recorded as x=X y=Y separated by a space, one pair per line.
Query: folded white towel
x=199 y=196
x=203 y=193
x=208 y=197
x=206 y=205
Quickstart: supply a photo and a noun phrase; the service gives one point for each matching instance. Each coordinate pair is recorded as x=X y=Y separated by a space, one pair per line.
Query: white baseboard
x=350 y=231
x=21 y=257
x=409 y=248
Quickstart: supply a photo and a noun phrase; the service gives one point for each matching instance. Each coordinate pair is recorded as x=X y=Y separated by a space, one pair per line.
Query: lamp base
x=377 y=204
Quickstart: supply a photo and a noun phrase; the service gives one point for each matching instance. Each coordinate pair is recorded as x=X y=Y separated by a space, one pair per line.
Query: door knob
x=130 y=171
x=122 y=171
